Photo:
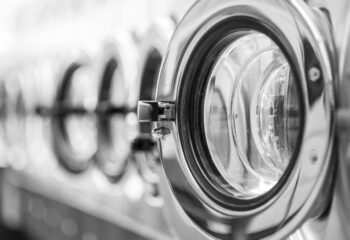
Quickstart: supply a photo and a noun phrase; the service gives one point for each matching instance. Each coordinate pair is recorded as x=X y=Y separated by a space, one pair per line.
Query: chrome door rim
x=155 y=41
x=275 y=15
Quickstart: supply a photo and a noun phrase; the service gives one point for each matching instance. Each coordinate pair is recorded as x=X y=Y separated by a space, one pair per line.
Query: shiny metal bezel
x=156 y=38
x=297 y=28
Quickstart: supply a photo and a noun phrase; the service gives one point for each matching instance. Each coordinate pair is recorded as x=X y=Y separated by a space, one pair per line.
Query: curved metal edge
x=157 y=38
x=173 y=160
x=86 y=57
x=120 y=47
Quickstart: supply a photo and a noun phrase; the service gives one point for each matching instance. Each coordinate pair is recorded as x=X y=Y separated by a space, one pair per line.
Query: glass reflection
x=251 y=115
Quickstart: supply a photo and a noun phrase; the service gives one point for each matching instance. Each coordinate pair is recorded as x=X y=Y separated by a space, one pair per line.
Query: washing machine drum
x=239 y=100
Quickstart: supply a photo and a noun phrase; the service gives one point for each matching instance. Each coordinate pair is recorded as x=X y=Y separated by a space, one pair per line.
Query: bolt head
x=160 y=132
x=313 y=156
x=314 y=74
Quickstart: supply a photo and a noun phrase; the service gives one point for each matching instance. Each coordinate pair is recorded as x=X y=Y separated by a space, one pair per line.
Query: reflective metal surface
x=243 y=119
x=311 y=172
x=252 y=115
x=145 y=151
x=56 y=119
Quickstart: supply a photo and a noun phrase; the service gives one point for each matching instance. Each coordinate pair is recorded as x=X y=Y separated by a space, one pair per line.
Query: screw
x=314 y=74
x=160 y=132
x=313 y=156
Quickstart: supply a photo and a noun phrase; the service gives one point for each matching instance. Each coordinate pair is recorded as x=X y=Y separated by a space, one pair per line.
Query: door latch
x=154 y=111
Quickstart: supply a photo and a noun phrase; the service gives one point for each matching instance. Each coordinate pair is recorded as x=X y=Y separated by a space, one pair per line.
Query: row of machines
x=165 y=120
x=77 y=164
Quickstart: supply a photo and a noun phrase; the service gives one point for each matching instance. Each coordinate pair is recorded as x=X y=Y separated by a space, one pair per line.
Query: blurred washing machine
x=39 y=92
x=73 y=119
x=116 y=104
x=145 y=150
x=14 y=122
x=244 y=136
x=73 y=113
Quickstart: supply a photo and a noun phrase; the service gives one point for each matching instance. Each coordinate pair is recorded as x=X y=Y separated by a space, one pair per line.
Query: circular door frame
x=15 y=111
x=44 y=89
x=64 y=154
x=294 y=26
x=122 y=50
x=145 y=149
x=28 y=87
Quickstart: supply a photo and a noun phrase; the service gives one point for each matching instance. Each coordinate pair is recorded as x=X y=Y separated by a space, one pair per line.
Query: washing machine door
x=145 y=151
x=40 y=93
x=240 y=96
x=14 y=119
x=117 y=104
x=74 y=122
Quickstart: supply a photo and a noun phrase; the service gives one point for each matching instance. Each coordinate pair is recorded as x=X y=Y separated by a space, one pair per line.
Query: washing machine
x=116 y=104
x=248 y=113
x=145 y=150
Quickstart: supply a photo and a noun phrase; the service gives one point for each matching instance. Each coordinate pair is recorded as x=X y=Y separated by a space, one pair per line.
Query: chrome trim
x=145 y=151
x=152 y=111
x=148 y=111
x=305 y=192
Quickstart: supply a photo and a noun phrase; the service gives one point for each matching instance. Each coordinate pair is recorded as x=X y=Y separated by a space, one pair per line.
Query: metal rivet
x=313 y=156
x=160 y=132
x=314 y=74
